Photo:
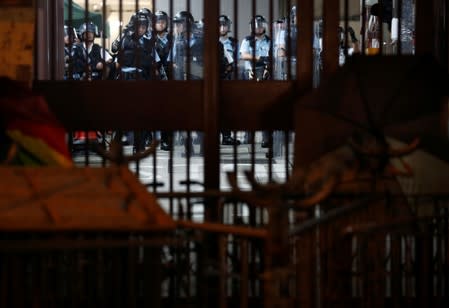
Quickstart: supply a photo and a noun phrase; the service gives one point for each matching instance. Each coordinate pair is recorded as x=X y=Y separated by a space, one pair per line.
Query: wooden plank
x=17 y=22
x=79 y=199
x=224 y=229
x=211 y=94
x=173 y=105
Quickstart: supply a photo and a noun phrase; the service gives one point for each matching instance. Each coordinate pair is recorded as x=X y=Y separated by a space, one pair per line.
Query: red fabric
x=23 y=110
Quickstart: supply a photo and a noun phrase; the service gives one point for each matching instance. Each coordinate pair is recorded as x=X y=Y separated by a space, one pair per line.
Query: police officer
x=137 y=55
x=164 y=43
x=257 y=48
x=129 y=28
x=353 y=47
x=229 y=45
x=230 y=59
x=286 y=46
x=70 y=38
x=89 y=58
x=187 y=57
x=138 y=60
x=188 y=48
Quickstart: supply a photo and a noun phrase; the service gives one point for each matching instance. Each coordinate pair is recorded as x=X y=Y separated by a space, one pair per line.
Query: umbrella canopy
x=398 y=96
x=78 y=16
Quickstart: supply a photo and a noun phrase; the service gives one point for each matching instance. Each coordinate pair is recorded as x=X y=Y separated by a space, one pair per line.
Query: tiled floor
x=196 y=167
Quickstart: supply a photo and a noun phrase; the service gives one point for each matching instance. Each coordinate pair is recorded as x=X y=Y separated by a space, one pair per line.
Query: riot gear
x=225 y=21
x=90 y=60
x=161 y=16
x=141 y=20
x=147 y=14
x=185 y=18
x=88 y=27
x=188 y=49
x=258 y=22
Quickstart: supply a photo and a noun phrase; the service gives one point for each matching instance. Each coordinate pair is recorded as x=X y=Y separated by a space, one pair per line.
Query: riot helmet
x=224 y=24
x=141 y=20
x=258 y=22
x=224 y=20
x=185 y=18
x=87 y=27
x=147 y=14
x=161 y=17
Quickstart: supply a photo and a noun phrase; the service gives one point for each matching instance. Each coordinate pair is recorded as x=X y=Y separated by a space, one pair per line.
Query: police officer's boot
x=228 y=140
x=165 y=141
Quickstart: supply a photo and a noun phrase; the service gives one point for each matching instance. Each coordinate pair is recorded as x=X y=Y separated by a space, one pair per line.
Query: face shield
x=259 y=25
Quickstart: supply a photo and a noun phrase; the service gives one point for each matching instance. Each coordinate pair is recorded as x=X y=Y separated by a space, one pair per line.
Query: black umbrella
x=379 y=96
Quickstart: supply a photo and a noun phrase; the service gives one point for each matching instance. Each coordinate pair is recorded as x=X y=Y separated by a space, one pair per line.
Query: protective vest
x=137 y=53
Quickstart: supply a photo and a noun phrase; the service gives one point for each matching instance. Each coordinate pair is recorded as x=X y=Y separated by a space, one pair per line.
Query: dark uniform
x=164 y=43
x=137 y=56
x=229 y=64
x=129 y=28
x=138 y=61
x=187 y=57
x=70 y=38
x=187 y=51
x=86 y=55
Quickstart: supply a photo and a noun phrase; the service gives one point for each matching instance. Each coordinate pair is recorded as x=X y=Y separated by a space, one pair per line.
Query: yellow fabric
x=40 y=149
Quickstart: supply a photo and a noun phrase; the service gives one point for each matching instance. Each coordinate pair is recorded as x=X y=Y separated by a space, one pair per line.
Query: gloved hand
x=250 y=74
x=263 y=60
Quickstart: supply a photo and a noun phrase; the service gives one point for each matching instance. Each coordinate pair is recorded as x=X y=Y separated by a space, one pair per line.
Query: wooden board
x=17 y=25
x=53 y=198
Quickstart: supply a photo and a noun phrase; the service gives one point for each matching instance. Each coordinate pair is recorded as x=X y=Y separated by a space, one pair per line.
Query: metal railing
x=320 y=262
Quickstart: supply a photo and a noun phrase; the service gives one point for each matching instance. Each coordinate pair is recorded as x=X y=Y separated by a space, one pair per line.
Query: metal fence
x=225 y=251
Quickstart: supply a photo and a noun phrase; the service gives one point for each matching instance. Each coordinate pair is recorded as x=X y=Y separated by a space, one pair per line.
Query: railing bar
x=253 y=42
x=288 y=43
x=170 y=31
x=399 y=16
x=86 y=148
x=103 y=36
x=137 y=142
x=170 y=171
x=235 y=153
x=346 y=26
x=381 y=28
x=222 y=255
x=188 y=150
x=270 y=155
x=270 y=31
x=364 y=28
x=71 y=39
x=244 y=277
x=85 y=51
x=189 y=50
x=236 y=36
x=287 y=154
x=131 y=281
x=153 y=133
